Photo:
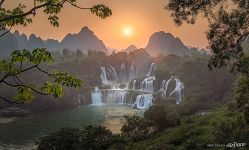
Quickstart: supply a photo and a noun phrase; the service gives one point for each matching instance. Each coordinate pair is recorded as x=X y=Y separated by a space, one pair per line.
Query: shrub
x=136 y=123
x=95 y=138
x=231 y=130
x=164 y=116
x=66 y=138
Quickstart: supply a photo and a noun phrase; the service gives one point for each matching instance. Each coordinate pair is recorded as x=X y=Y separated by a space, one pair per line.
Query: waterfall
x=122 y=73
x=143 y=101
x=133 y=83
x=152 y=70
x=132 y=72
x=148 y=84
x=164 y=87
x=96 y=96
x=177 y=91
x=114 y=73
x=108 y=75
x=103 y=75
x=136 y=95
x=136 y=71
x=116 y=97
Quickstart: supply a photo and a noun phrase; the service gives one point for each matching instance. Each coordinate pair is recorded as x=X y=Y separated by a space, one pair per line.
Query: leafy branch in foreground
x=21 y=16
x=228 y=26
x=23 y=61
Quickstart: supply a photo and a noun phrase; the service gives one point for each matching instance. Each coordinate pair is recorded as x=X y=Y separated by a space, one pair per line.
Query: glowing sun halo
x=127 y=31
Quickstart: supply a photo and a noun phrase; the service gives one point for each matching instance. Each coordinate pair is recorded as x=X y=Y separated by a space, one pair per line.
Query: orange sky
x=143 y=17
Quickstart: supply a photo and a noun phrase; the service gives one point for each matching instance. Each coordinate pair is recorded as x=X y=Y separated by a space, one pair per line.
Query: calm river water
x=22 y=133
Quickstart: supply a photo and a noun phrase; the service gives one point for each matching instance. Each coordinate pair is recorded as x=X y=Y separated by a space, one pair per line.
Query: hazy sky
x=141 y=17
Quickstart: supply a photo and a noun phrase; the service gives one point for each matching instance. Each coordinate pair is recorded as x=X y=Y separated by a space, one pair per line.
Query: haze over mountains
x=160 y=43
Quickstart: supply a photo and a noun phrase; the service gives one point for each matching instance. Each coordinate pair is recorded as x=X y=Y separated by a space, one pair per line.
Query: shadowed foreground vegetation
x=223 y=125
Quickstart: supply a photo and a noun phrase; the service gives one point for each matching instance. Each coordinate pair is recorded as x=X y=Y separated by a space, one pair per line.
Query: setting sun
x=127 y=31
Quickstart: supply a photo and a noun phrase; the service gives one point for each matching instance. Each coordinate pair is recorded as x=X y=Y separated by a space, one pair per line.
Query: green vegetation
x=74 y=139
x=227 y=35
x=24 y=61
x=163 y=116
x=222 y=126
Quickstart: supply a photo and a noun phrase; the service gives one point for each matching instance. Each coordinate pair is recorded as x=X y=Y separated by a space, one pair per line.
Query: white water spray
x=96 y=96
x=177 y=91
x=152 y=70
x=143 y=101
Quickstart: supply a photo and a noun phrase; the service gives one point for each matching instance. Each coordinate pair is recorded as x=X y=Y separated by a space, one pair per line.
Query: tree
x=163 y=116
x=18 y=15
x=136 y=123
x=65 y=52
x=22 y=61
x=66 y=138
x=230 y=130
x=228 y=26
x=96 y=138
x=79 y=53
x=227 y=33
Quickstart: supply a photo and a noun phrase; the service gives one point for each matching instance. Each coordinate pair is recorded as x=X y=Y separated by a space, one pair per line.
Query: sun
x=127 y=31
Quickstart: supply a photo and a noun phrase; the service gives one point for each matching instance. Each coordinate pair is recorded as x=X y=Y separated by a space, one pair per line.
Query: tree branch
x=25 y=14
x=18 y=79
x=10 y=101
x=22 y=85
x=1 y=3
x=73 y=4
x=31 y=11
x=7 y=31
x=21 y=71
x=44 y=71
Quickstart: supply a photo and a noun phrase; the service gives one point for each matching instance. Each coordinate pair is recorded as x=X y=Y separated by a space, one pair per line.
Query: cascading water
x=116 y=97
x=132 y=72
x=152 y=70
x=143 y=101
x=177 y=91
x=113 y=73
x=148 y=84
x=96 y=96
x=103 y=75
x=122 y=73
x=133 y=83
x=138 y=92
x=164 y=87
x=108 y=75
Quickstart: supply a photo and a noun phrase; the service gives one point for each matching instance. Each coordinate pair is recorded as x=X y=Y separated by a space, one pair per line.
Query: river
x=22 y=133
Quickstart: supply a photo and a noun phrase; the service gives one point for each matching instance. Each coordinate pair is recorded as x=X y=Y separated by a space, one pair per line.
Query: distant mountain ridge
x=84 y=40
x=160 y=43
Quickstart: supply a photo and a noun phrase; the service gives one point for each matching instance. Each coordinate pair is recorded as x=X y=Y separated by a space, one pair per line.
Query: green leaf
x=55 y=90
x=101 y=11
x=24 y=95
x=40 y=55
x=65 y=79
